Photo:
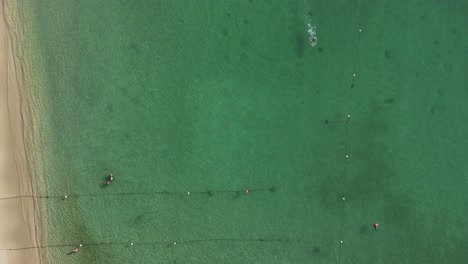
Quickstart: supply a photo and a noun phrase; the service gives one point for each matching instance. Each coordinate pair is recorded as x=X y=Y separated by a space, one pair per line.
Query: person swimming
x=313 y=40
x=312 y=34
x=111 y=178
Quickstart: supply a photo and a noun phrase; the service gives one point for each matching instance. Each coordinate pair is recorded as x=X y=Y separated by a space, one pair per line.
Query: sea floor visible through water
x=192 y=103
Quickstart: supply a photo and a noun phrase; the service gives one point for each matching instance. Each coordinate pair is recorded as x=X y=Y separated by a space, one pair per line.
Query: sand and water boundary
x=18 y=232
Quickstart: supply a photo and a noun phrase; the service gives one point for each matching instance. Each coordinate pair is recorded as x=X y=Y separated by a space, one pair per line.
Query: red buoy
x=376 y=226
x=75 y=250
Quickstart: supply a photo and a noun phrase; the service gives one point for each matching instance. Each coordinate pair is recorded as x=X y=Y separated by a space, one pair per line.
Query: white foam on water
x=312 y=30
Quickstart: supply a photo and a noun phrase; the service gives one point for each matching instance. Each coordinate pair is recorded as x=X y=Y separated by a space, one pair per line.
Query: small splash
x=312 y=34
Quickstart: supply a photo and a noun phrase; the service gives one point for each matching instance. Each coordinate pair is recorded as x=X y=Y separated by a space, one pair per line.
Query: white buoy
x=346 y=156
x=344 y=199
x=354 y=74
x=131 y=244
x=349 y=115
x=81 y=245
x=175 y=243
x=341 y=241
x=188 y=192
x=360 y=30
x=66 y=196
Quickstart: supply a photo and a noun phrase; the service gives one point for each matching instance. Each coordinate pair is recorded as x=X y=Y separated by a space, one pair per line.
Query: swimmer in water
x=313 y=41
x=111 y=178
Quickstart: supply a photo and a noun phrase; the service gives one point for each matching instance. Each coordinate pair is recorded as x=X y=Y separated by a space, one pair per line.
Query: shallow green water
x=216 y=97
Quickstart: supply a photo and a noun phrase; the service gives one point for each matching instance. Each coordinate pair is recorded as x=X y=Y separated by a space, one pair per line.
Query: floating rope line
x=168 y=243
x=209 y=192
x=346 y=140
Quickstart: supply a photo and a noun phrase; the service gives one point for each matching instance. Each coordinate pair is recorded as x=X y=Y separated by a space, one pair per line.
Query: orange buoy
x=75 y=250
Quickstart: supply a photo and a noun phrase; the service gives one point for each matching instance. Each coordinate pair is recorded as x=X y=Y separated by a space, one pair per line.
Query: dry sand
x=17 y=228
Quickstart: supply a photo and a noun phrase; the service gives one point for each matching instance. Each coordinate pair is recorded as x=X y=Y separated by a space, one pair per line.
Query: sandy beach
x=17 y=228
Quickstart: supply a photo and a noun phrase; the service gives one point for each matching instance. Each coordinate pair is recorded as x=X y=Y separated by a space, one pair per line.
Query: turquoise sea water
x=215 y=97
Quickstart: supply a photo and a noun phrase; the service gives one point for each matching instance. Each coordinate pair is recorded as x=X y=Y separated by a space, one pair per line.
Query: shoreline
x=18 y=223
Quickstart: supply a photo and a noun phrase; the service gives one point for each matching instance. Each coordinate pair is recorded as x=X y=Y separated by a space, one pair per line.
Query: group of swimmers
x=111 y=178
x=107 y=182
